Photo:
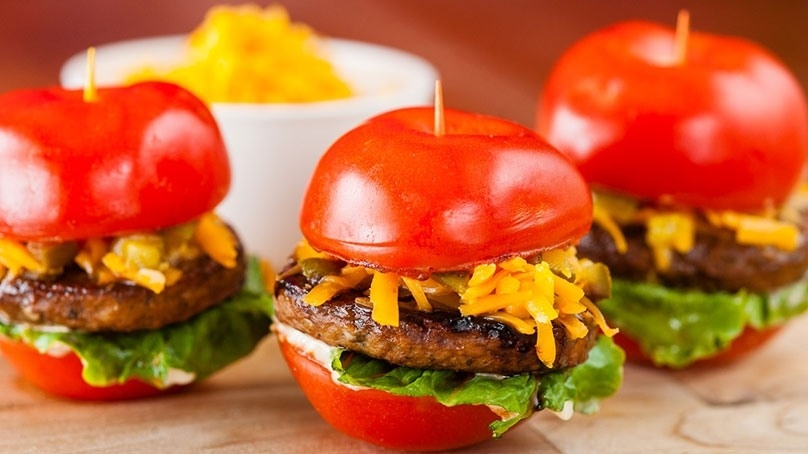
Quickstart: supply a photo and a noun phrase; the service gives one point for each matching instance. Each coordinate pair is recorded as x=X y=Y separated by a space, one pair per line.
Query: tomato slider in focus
x=437 y=300
x=695 y=146
x=117 y=280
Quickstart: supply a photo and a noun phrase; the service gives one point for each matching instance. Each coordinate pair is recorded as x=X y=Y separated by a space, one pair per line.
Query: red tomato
x=727 y=128
x=749 y=341
x=392 y=194
x=139 y=158
x=61 y=375
x=394 y=422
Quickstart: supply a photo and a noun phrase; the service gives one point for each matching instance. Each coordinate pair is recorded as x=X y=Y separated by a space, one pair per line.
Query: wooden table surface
x=757 y=405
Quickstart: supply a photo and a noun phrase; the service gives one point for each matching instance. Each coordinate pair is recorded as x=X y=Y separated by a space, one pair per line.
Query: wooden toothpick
x=90 y=91
x=682 y=32
x=440 y=126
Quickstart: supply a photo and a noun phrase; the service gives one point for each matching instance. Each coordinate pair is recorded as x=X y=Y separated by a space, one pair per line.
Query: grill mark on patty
x=715 y=263
x=426 y=340
x=75 y=301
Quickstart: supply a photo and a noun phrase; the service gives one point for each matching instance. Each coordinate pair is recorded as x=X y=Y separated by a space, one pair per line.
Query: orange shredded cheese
x=14 y=256
x=528 y=297
x=248 y=54
x=669 y=231
x=384 y=296
x=218 y=241
x=575 y=327
x=758 y=230
x=602 y=217
x=142 y=259
x=304 y=251
x=331 y=285
x=417 y=293
x=516 y=289
x=89 y=259
x=599 y=318
x=516 y=322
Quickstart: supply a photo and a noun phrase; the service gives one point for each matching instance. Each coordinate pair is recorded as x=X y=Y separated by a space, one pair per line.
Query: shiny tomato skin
x=61 y=376
x=725 y=129
x=138 y=158
x=750 y=340
x=393 y=422
x=394 y=195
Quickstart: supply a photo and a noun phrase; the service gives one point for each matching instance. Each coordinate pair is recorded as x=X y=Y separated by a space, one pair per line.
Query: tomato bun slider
x=695 y=146
x=117 y=280
x=437 y=300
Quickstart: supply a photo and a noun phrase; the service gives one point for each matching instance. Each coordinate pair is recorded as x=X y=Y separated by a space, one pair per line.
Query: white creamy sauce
x=41 y=328
x=58 y=349
x=178 y=377
x=174 y=376
x=315 y=349
x=321 y=352
x=566 y=412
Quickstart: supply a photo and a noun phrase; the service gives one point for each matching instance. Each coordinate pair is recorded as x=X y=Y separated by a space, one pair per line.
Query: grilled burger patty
x=75 y=301
x=426 y=340
x=715 y=263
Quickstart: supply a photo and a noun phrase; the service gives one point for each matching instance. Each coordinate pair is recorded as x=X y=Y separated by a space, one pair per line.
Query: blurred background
x=493 y=56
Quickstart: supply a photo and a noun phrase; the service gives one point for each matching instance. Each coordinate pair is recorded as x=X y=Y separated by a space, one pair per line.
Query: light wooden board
x=757 y=405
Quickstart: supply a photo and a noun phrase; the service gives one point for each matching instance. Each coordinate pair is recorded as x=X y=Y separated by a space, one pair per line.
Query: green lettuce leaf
x=519 y=395
x=586 y=384
x=201 y=346
x=676 y=327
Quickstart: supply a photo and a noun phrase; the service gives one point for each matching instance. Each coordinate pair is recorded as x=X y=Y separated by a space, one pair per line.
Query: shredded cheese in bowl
x=246 y=54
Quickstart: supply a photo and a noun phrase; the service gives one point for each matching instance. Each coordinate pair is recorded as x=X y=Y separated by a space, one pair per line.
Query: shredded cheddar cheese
x=599 y=318
x=304 y=251
x=669 y=231
x=90 y=257
x=15 y=257
x=349 y=277
x=518 y=289
x=601 y=216
x=417 y=293
x=141 y=259
x=384 y=296
x=246 y=54
x=525 y=296
x=758 y=230
x=217 y=240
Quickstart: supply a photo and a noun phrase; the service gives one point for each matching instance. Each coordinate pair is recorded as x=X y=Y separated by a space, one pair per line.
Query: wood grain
x=759 y=404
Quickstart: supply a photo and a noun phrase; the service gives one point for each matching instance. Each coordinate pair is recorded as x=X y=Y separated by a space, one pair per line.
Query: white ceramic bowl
x=274 y=147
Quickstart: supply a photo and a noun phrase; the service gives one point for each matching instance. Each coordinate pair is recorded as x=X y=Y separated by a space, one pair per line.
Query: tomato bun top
x=135 y=158
x=393 y=195
x=723 y=128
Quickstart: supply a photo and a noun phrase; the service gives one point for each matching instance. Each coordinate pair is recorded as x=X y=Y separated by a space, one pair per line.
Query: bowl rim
x=422 y=77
